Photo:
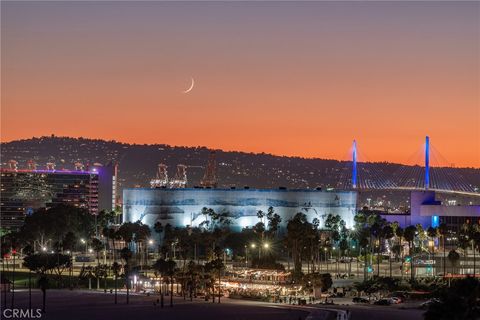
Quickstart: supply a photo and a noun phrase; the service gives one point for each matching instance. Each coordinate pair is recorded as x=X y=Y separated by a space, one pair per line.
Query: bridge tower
x=427 y=163
x=354 y=165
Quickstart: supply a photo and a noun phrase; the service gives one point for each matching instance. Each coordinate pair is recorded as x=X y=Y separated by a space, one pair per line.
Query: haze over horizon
x=294 y=79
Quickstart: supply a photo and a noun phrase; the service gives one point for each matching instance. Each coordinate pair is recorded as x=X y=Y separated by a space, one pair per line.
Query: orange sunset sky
x=286 y=78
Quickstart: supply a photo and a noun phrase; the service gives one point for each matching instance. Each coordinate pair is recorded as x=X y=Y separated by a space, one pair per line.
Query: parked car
x=427 y=303
x=383 y=302
x=336 y=295
x=360 y=300
x=395 y=300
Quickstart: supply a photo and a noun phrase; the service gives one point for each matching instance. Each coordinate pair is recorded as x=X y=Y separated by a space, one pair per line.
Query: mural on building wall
x=182 y=207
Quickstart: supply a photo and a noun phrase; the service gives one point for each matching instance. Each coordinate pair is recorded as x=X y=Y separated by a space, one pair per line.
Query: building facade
x=23 y=191
x=427 y=211
x=182 y=207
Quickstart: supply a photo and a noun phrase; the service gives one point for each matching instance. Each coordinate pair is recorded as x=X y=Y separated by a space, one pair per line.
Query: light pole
x=246 y=256
x=266 y=245
x=85 y=243
x=14 y=253
x=326 y=261
x=150 y=244
x=253 y=246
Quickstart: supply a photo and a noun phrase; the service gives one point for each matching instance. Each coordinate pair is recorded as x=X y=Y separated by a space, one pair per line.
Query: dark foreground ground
x=91 y=305
x=84 y=305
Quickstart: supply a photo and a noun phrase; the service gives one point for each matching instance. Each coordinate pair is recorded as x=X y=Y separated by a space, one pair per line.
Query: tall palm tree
x=388 y=234
x=476 y=245
x=453 y=257
x=167 y=268
x=409 y=235
x=127 y=256
x=443 y=231
x=116 y=271
x=464 y=243
x=432 y=233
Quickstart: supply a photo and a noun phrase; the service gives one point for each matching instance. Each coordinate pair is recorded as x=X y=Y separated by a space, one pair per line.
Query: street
x=82 y=304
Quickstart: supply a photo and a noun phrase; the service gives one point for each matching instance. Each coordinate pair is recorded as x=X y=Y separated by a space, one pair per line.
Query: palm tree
x=388 y=234
x=464 y=242
x=116 y=271
x=476 y=245
x=453 y=257
x=166 y=268
x=127 y=256
x=443 y=231
x=216 y=266
x=111 y=234
x=432 y=233
x=421 y=236
x=409 y=235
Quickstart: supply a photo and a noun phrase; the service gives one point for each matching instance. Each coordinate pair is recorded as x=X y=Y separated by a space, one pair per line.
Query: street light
x=253 y=245
x=44 y=249
x=246 y=256
x=85 y=243
x=266 y=245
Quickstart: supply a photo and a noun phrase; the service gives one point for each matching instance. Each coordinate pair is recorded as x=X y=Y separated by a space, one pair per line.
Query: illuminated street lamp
x=266 y=245
x=85 y=243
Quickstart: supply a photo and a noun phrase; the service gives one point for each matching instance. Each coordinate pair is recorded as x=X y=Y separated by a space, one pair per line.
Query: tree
x=453 y=257
x=458 y=302
x=126 y=255
x=46 y=227
x=216 y=266
x=443 y=231
x=274 y=221
x=388 y=234
x=297 y=229
x=409 y=235
x=105 y=218
x=432 y=233
x=111 y=234
x=97 y=246
x=44 y=262
x=167 y=269
x=116 y=267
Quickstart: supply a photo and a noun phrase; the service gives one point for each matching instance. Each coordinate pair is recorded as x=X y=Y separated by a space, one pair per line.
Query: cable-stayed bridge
x=441 y=178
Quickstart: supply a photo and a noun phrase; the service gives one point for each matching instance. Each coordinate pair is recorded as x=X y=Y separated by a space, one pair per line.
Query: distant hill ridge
x=138 y=163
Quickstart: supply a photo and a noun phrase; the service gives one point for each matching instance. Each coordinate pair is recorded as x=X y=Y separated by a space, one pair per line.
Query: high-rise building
x=107 y=186
x=23 y=191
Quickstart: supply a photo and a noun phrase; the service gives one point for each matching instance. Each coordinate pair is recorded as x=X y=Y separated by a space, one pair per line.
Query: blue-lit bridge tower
x=427 y=163
x=354 y=165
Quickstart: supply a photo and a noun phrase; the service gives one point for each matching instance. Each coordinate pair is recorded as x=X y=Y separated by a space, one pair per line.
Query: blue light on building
x=435 y=221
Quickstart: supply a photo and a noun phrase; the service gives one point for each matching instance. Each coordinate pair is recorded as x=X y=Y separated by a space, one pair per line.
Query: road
x=408 y=311
x=84 y=304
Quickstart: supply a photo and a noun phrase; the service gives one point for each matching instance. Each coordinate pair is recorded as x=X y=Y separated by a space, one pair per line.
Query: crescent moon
x=191 y=86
